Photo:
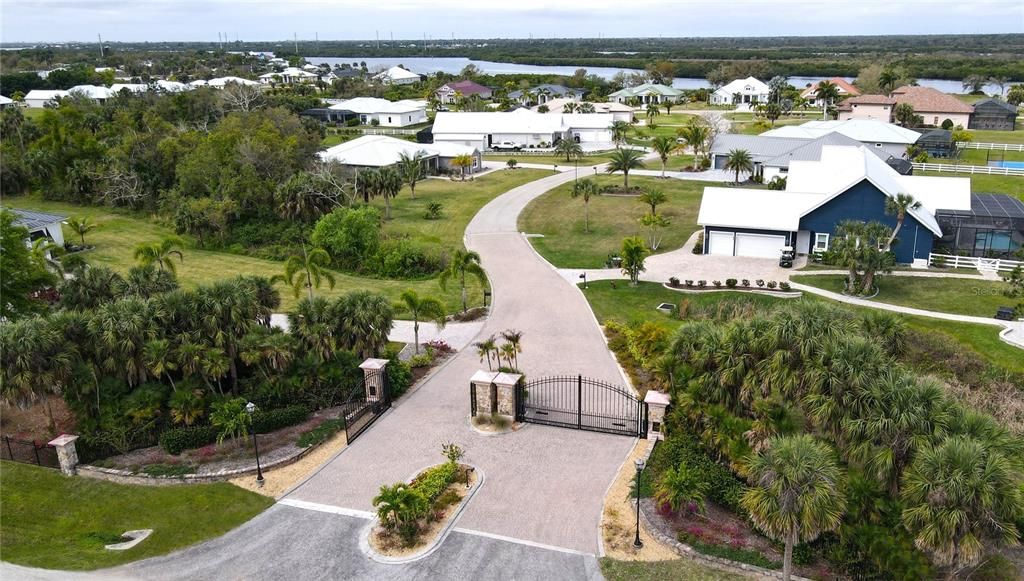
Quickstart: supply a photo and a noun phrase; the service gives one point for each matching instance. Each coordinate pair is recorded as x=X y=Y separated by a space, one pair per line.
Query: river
x=452 y=65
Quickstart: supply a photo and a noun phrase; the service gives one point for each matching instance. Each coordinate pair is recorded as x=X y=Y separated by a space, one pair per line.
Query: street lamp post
x=637 y=543
x=251 y=409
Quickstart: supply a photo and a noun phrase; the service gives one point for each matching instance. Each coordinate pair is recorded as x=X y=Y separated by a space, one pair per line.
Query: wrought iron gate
x=581 y=403
x=366 y=403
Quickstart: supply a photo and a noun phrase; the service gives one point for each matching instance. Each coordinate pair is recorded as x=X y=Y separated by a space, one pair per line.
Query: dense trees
x=21 y=274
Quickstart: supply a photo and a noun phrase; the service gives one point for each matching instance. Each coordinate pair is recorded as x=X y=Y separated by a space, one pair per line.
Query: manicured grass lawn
x=978 y=298
x=560 y=219
x=987 y=184
x=333 y=139
x=586 y=162
x=989 y=136
x=675 y=570
x=678 y=119
x=61 y=522
x=981 y=339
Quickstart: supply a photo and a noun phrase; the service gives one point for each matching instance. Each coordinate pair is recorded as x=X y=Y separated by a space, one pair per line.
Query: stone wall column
x=66 y=453
x=485 y=394
x=506 y=393
x=373 y=378
x=656 y=402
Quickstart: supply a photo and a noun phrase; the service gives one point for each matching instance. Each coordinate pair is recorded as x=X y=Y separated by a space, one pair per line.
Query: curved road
x=538 y=512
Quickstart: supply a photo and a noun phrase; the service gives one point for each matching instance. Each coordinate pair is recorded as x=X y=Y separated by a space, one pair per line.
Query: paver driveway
x=543 y=484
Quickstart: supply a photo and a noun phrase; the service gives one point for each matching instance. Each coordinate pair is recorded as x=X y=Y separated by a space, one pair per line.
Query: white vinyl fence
x=950 y=261
x=969 y=169
x=995 y=146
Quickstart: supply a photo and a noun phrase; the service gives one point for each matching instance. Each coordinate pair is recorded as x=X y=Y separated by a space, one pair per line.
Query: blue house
x=848 y=183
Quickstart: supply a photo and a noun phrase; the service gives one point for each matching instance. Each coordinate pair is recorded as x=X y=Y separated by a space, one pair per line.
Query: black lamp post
x=637 y=543
x=251 y=408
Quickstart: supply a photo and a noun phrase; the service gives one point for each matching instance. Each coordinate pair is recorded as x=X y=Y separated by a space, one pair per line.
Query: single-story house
x=847 y=183
x=328 y=115
x=647 y=93
x=843 y=87
x=386 y=113
x=748 y=90
x=350 y=73
x=135 y=88
x=382 y=151
x=994 y=226
x=934 y=105
x=397 y=76
x=542 y=94
x=618 y=111
x=449 y=92
x=892 y=139
x=525 y=127
x=97 y=93
x=772 y=155
x=40 y=224
x=172 y=86
x=877 y=107
x=6 y=102
x=994 y=114
x=289 y=76
x=221 y=82
x=39 y=98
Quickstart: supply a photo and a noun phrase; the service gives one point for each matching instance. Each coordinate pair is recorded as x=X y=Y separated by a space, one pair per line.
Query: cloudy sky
x=137 y=20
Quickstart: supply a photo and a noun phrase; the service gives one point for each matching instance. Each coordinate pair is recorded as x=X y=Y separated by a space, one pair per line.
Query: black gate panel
x=581 y=403
x=366 y=404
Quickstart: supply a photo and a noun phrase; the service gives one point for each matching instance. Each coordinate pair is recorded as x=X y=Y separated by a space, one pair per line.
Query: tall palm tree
x=361 y=322
x=960 y=494
x=463 y=263
x=228 y=311
x=514 y=338
x=619 y=129
x=696 y=135
x=625 y=160
x=585 y=189
x=387 y=185
x=485 y=348
x=81 y=226
x=569 y=148
x=653 y=198
x=418 y=307
x=161 y=253
x=35 y=361
x=828 y=93
x=653 y=110
x=887 y=80
x=796 y=493
x=311 y=322
x=410 y=167
x=634 y=252
x=121 y=330
x=160 y=360
x=739 y=161
x=664 y=146
x=899 y=206
x=306 y=271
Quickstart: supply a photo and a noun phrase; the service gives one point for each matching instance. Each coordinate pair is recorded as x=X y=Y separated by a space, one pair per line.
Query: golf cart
x=788 y=255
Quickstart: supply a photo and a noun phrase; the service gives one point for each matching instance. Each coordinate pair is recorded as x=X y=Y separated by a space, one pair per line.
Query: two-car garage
x=728 y=243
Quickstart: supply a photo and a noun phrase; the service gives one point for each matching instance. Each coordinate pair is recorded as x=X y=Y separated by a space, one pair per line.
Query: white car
x=506 y=146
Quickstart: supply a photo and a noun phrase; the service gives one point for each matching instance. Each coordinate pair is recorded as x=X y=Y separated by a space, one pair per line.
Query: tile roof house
x=847 y=183
x=934 y=105
x=994 y=114
x=845 y=90
x=647 y=93
x=867 y=107
x=448 y=93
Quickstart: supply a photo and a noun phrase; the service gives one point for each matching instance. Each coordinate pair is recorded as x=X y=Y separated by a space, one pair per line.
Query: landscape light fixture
x=251 y=409
x=637 y=543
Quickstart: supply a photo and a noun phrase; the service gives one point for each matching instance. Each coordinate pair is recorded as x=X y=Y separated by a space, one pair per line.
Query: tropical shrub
x=422 y=360
x=321 y=433
x=350 y=235
x=730 y=282
x=268 y=421
x=433 y=481
x=177 y=440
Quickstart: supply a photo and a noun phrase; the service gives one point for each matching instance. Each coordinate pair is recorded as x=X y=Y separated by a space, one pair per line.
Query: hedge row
x=268 y=421
x=177 y=440
x=433 y=481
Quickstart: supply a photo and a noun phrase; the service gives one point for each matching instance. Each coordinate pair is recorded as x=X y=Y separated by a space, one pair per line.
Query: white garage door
x=720 y=243
x=759 y=245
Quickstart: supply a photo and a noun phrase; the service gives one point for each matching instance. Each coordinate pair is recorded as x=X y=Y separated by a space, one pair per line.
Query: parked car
x=788 y=255
x=507 y=146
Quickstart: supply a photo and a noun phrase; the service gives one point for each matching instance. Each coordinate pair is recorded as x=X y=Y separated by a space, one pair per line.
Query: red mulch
x=31 y=423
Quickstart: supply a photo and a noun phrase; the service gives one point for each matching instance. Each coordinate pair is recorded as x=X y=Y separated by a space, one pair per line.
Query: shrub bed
x=321 y=433
x=177 y=440
x=271 y=420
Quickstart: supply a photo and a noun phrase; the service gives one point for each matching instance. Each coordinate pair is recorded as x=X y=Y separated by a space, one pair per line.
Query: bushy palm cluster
x=948 y=476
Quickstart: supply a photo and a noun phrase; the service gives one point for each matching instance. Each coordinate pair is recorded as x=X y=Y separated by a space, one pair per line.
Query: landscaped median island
x=58 y=522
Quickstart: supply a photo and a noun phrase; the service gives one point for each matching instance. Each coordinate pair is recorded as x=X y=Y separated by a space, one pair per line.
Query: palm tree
x=619 y=129
x=653 y=198
x=887 y=80
x=585 y=189
x=485 y=348
x=421 y=308
x=311 y=323
x=959 y=494
x=668 y=107
x=653 y=110
x=664 y=146
x=899 y=206
x=585 y=107
x=361 y=321
x=463 y=162
x=35 y=361
x=81 y=226
x=696 y=135
x=828 y=93
x=569 y=148
x=739 y=160
x=463 y=262
x=160 y=253
x=796 y=493
x=410 y=167
x=121 y=330
x=625 y=160
x=570 y=107
x=634 y=252
x=44 y=253
x=306 y=271
x=387 y=185
x=160 y=361
x=399 y=504
x=514 y=338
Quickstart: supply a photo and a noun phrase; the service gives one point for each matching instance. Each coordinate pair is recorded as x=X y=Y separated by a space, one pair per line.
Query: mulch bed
x=31 y=423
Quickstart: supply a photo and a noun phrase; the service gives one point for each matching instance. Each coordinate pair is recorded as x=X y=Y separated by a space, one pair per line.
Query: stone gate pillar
x=66 y=453
x=657 y=402
x=506 y=393
x=374 y=378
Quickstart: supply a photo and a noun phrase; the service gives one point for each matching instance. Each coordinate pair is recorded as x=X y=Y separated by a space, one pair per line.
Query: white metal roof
x=863 y=130
x=747 y=86
x=758 y=209
x=521 y=121
x=172 y=86
x=381 y=150
x=371 y=105
x=221 y=82
x=130 y=87
x=5 y=100
x=293 y=72
x=44 y=94
x=91 y=91
x=397 y=73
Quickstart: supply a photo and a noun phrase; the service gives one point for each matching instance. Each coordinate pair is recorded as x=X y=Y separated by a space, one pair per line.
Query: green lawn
x=675 y=570
x=987 y=184
x=586 y=162
x=982 y=156
x=59 y=522
x=989 y=136
x=961 y=296
x=560 y=219
x=120 y=231
x=333 y=139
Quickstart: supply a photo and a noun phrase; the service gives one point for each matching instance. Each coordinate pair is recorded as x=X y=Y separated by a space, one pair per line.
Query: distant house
x=97 y=93
x=529 y=129
x=375 y=151
x=130 y=87
x=449 y=92
x=886 y=137
x=39 y=98
x=772 y=156
x=647 y=93
x=844 y=88
x=40 y=224
x=397 y=76
x=847 y=183
x=541 y=94
x=221 y=82
x=877 y=107
x=618 y=111
x=289 y=76
x=385 y=113
x=172 y=86
x=6 y=102
x=741 y=91
x=994 y=114
x=934 y=105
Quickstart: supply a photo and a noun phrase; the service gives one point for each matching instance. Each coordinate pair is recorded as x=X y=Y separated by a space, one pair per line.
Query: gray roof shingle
x=34 y=220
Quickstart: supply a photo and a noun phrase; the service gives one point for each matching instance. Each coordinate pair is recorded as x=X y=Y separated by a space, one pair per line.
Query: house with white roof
x=618 y=111
x=772 y=155
x=172 y=86
x=288 y=76
x=846 y=183
x=385 y=113
x=130 y=87
x=376 y=151
x=221 y=82
x=39 y=98
x=748 y=90
x=6 y=102
x=97 y=93
x=647 y=93
x=397 y=76
x=890 y=138
x=530 y=129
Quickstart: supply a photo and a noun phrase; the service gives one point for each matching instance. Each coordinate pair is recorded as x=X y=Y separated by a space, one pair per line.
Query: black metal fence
x=581 y=403
x=28 y=452
x=366 y=404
